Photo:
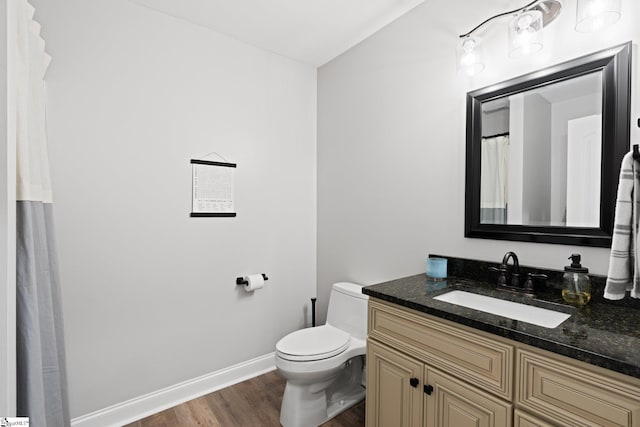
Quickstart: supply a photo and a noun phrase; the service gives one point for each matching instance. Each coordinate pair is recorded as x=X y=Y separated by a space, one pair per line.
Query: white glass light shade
x=525 y=33
x=593 y=15
x=469 y=54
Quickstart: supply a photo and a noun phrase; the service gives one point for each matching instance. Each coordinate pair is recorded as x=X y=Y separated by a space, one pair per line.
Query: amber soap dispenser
x=576 y=285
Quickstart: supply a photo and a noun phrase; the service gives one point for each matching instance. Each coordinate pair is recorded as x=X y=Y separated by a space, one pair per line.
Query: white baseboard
x=148 y=404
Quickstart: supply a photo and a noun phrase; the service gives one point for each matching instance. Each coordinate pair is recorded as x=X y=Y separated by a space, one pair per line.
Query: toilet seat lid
x=309 y=344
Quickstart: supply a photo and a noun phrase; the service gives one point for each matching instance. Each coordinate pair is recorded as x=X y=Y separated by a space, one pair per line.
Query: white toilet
x=324 y=365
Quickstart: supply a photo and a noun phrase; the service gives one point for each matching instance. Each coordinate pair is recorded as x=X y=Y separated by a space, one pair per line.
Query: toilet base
x=306 y=405
x=344 y=402
x=303 y=409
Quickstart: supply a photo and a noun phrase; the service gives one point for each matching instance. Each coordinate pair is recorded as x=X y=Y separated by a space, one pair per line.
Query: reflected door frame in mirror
x=615 y=65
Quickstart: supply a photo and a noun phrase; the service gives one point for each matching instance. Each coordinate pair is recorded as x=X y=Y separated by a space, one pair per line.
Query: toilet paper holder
x=241 y=281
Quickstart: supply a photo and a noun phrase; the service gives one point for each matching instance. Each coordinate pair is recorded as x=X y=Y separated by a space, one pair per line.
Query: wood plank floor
x=255 y=402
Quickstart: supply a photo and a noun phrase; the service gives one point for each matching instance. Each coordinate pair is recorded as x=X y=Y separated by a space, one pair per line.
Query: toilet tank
x=348 y=309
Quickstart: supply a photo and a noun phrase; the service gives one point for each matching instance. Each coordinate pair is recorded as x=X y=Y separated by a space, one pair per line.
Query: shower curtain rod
x=496 y=135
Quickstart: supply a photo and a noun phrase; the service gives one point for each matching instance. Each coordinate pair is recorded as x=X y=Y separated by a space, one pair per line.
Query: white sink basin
x=513 y=310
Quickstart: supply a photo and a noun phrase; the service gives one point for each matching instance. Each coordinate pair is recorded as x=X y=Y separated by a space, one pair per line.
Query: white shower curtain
x=494 y=179
x=41 y=372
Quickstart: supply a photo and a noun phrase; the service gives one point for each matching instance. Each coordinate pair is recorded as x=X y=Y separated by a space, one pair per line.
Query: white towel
x=623 y=265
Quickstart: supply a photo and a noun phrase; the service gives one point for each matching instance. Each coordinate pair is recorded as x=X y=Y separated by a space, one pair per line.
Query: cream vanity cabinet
x=425 y=371
x=421 y=372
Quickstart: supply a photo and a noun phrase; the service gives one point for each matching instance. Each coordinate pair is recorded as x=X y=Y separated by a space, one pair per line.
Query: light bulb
x=523 y=22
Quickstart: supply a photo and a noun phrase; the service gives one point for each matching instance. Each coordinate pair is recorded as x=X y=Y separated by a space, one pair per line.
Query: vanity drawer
x=573 y=395
x=483 y=362
x=522 y=419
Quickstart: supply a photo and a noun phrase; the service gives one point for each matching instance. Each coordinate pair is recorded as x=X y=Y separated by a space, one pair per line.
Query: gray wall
x=495 y=122
x=149 y=294
x=391 y=145
x=536 y=189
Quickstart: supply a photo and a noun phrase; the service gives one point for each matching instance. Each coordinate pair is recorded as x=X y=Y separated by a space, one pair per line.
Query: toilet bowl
x=324 y=365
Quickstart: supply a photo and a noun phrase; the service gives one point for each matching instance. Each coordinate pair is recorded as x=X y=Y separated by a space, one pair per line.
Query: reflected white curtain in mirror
x=494 y=179
x=41 y=368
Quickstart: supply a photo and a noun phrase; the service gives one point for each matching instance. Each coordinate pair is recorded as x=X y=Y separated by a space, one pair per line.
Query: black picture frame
x=211 y=214
x=615 y=64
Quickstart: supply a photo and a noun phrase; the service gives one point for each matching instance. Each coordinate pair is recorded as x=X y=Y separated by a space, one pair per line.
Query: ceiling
x=309 y=31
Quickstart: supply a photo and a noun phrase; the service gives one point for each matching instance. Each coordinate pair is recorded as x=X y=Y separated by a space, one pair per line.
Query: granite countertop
x=606 y=335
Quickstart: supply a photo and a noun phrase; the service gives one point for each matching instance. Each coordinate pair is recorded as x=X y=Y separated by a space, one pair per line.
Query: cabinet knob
x=414 y=382
x=428 y=388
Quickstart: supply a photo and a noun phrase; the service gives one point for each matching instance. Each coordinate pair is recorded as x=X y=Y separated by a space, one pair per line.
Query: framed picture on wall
x=212 y=188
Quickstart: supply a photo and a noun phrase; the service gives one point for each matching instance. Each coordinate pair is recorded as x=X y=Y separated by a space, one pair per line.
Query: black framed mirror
x=543 y=152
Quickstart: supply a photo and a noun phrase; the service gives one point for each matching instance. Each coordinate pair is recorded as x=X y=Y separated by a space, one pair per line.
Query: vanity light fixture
x=593 y=15
x=525 y=33
x=470 y=56
x=525 y=28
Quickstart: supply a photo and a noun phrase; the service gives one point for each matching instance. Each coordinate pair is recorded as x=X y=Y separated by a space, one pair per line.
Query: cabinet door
x=453 y=403
x=394 y=388
x=570 y=395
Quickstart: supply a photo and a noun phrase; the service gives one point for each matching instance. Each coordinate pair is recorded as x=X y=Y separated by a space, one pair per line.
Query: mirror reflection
x=541 y=155
x=543 y=152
